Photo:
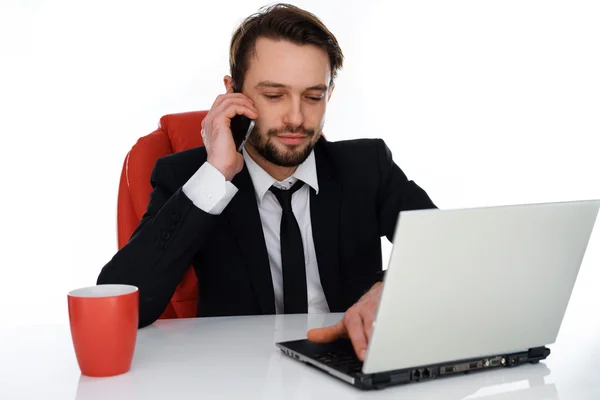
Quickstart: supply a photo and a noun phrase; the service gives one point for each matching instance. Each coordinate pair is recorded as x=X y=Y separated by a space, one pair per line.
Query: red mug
x=104 y=324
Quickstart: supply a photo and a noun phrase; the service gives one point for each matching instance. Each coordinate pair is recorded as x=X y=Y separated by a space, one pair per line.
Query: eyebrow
x=269 y=84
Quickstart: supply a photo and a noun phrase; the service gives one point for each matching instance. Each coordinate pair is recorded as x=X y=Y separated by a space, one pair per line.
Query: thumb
x=327 y=334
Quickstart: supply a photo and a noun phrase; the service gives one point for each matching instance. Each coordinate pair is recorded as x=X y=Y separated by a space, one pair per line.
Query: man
x=294 y=222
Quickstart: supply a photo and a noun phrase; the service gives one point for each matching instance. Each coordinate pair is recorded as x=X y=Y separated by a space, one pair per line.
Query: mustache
x=291 y=129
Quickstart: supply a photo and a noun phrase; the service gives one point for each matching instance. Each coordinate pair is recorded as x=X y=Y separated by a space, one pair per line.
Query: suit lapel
x=244 y=219
x=325 y=220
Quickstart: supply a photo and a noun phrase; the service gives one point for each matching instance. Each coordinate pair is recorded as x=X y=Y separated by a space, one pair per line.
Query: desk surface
x=217 y=358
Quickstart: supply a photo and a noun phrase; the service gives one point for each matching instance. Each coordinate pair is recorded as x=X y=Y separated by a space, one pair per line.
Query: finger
x=354 y=326
x=327 y=334
x=220 y=98
x=236 y=109
x=227 y=108
x=232 y=96
x=368 y=317
x=225 y=105
x=225 y=118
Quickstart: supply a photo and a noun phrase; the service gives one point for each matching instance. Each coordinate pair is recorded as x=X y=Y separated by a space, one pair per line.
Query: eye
x=315 y=99
x=272 y=96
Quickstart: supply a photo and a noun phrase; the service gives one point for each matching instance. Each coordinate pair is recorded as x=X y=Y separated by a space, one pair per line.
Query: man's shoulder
x=357 y=152
x=186 y=162
x=195 y=154
x=353 y=145
x=357 y=160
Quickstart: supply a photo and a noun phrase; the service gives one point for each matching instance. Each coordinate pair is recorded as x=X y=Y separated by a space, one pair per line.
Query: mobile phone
x=241 y=127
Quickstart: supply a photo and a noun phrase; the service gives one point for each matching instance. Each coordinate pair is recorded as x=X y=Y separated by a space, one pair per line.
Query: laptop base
x=339 y=360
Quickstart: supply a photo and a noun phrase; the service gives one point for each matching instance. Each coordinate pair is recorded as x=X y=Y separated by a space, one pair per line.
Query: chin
x=290 y=155
x=293 y=149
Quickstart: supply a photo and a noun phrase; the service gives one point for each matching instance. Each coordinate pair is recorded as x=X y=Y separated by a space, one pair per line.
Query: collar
x=262 y=181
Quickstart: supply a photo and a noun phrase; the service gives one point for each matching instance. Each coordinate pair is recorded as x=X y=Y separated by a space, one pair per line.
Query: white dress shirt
x=210 y=192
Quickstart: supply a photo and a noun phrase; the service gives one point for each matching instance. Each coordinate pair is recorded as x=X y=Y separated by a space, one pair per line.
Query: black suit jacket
x=361 y=192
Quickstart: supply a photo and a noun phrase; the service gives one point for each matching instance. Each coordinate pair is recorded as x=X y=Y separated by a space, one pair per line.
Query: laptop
x=466 y=290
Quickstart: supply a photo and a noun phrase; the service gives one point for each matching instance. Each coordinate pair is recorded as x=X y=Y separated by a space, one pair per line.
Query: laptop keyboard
x=343 y=360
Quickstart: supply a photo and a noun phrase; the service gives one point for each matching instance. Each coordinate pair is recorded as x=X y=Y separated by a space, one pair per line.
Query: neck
x=277 y=172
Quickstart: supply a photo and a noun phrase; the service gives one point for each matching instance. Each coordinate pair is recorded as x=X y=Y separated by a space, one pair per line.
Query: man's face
x=289 y=85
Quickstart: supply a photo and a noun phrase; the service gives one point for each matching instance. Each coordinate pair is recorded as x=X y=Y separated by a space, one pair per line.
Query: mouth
x=291 y=139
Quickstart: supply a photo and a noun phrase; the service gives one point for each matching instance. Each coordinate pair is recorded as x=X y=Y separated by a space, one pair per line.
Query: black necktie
x=292 y=254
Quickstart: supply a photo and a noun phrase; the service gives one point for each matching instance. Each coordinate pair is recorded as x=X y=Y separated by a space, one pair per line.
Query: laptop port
x=426 y=373
x=416 y=374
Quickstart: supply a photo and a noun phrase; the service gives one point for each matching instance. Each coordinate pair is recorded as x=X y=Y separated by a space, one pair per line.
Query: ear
x=228 y=81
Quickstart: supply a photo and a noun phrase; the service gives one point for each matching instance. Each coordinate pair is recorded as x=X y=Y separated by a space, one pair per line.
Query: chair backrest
x=176 y=132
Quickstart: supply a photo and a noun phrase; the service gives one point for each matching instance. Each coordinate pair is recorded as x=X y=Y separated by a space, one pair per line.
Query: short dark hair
x=280 y=21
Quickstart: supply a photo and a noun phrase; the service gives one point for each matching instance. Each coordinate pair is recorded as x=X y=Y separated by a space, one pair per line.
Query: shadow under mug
x=104 y=324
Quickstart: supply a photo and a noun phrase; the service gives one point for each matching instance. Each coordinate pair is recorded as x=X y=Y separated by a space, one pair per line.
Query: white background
x=481 y=102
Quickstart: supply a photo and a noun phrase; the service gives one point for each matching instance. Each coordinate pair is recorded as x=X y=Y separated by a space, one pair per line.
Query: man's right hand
x=216 y=132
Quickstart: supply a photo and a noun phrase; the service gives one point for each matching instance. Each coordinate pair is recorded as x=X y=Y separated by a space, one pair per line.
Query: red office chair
x=176 y=132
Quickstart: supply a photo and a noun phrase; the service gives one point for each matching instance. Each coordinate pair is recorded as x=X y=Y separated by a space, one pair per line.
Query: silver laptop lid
x=478 y=282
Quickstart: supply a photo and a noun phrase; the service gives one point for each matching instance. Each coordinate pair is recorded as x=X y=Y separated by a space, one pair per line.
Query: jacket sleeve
x=396 y=192
x=162 y=247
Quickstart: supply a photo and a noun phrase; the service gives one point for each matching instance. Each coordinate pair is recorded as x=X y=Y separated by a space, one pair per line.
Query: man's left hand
x=356 y=324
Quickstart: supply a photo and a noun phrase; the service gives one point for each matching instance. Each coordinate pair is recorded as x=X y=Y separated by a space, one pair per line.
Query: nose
x=294 y=117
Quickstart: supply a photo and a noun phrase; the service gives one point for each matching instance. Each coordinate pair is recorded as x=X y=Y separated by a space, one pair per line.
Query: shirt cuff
x=208 y=189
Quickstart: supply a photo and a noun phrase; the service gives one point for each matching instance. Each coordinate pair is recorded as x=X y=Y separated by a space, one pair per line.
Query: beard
x=292 y=156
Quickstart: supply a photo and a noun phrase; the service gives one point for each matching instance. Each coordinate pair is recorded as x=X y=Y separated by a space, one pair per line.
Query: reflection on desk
x=236 y=357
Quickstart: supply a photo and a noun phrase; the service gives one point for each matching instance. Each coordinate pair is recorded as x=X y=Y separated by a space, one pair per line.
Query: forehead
x=281 y=61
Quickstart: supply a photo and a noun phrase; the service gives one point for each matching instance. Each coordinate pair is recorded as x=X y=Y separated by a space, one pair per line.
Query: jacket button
x=176 y=217
x=166 y=235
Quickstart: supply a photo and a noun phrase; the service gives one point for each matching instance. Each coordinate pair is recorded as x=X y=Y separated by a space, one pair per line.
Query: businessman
x=293 y=222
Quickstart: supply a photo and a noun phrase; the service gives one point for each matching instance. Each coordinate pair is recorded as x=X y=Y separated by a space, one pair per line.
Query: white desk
x=220 y=358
